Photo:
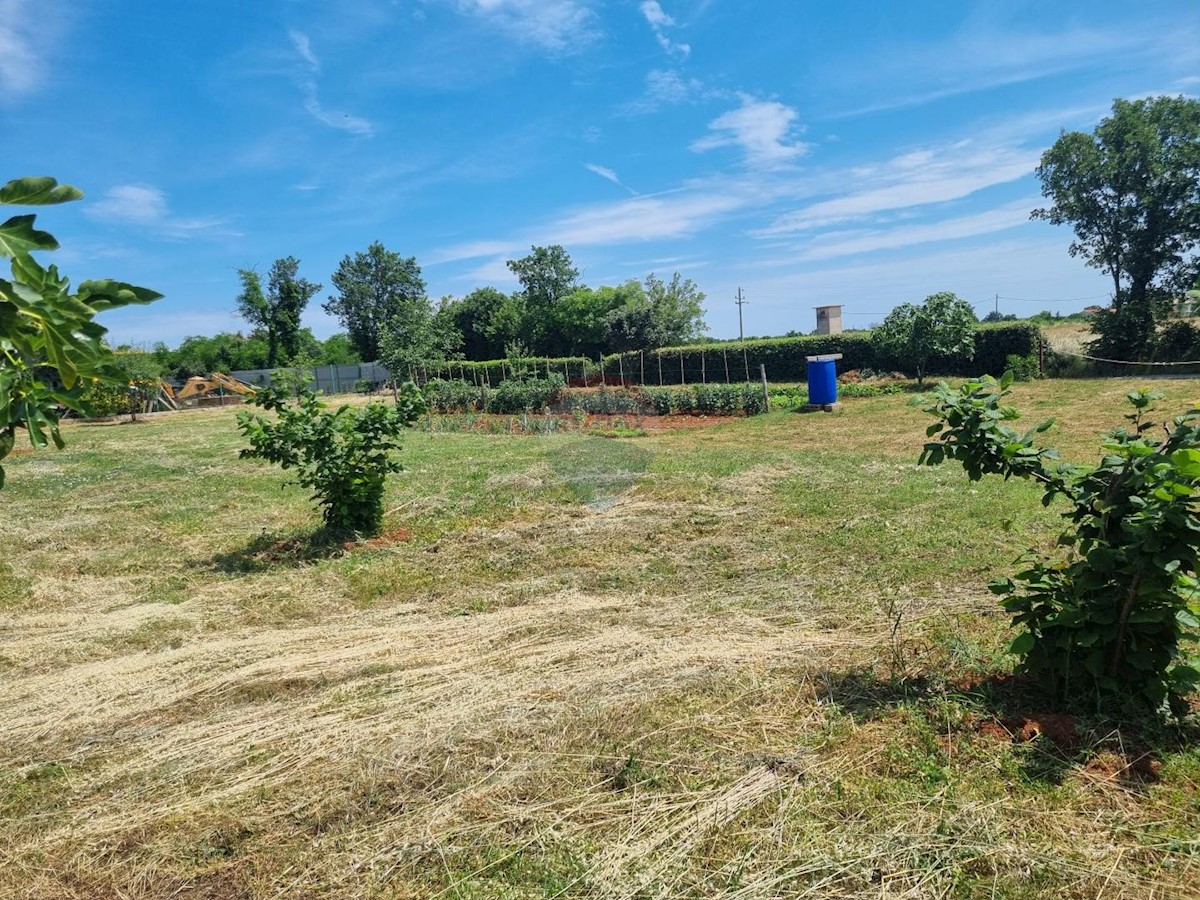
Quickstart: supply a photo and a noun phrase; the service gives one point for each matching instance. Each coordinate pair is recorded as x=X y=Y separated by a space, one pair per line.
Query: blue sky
x=863 y=153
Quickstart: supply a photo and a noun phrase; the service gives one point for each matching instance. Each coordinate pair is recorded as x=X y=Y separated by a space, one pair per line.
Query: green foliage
x=277 y=311
x=292 y=381
x=374 y=287
x=706 y=399
x=784 y=358
x=415 y=336
x=547 y=275
x=1131 y=192
x=232 y=352
x=943 y=327
x=1023 y=368
x=606 y=402
x=343 y=456
x=479 y=318
x=520 y=394
x=136 y=381
x=1112 y=618
x=453 y=395
x=50 y=345
x=863 y=389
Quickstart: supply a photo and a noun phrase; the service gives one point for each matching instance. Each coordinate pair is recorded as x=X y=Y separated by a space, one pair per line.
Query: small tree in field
x=1116 y=617
x=943 y=327
x=344 y=456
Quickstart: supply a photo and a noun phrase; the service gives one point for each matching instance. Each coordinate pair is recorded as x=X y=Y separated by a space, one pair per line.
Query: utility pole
x=740 y=301
x=997 y=304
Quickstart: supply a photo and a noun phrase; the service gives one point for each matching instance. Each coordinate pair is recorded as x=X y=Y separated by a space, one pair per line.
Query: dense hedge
x=737 y=361
x=784 y=358
x=571 y=369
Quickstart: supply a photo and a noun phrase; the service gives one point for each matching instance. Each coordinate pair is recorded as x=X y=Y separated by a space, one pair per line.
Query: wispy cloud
x=664 y=87
x=22 y=32
x=609 y=175
x=981 y=58
x=832 y=245
x=909 y=181
x=641 y=218
x=558 y=26
x=146 y=207
x=307 y=83
x=763 y=129
x=659 y=22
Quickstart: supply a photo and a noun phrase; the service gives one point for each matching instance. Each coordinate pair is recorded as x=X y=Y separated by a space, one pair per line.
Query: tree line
x=380 y=299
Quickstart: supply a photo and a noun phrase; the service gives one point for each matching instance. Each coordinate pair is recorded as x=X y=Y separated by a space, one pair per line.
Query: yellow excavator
x=215 y=386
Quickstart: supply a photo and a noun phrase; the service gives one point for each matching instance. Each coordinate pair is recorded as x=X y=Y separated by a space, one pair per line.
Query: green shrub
x=1177 y=342
x=291 y=382
x=1024 y=368
x=659 y=399
x=343 y=456
x=1113 y=619
x=454 y=396
x=519 y=395
x=605 y=401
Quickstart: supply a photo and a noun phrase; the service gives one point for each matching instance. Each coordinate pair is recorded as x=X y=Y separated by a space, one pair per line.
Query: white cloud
x=909 y=181
x=847 y=243
x=637 y=219
x=312 y=103
x=655 y=15
x=982 y=58
x=22 y=32
x=146 y=206
x=664 y=87
x=609 y=175
x=560 y=26
x=659 y=23
x=642 y=218
x=761 y=128
x=304 y=47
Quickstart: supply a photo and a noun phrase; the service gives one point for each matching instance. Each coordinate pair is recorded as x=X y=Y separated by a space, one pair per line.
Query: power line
x=1125 y=362
x=1068 y=300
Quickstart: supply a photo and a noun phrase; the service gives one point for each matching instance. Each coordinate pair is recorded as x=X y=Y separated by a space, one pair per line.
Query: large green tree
x=373 y=288
x=277 y=310
x=546 y=275
x=943 y=327
x=480 y=318
x=659 y=315
x=1131 y=191
x=51 y=347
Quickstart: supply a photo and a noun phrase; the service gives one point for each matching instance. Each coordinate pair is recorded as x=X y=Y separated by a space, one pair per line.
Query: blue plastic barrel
x=822 y=381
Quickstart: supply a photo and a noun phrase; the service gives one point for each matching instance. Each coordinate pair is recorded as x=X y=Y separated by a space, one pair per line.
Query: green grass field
x=748 y=660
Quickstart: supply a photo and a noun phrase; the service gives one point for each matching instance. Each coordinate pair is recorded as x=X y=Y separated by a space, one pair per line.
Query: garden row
x=998 y=348
x=517 y=395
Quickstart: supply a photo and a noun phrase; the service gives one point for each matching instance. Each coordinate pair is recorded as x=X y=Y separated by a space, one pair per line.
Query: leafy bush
x=448 y=396
x=1177 y=342
x=866 y=389
x=291 y=382
x=1023 y=368
x=343 y=456
x=710 y=399
x=604 y=401
x=1110 y=620
x=659 y=399
x=519 y=395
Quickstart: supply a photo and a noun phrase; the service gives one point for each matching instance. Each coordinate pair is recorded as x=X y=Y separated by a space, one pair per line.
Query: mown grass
x=750 y=660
